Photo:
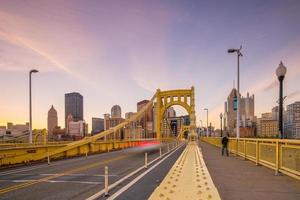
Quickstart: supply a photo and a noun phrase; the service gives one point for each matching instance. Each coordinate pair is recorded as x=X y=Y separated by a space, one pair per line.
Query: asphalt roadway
x=81 y=177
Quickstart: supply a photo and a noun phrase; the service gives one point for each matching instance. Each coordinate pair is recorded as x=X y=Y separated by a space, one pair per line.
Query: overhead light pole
x=30 y=105
x=221 y=117
x=206 y=121
x=200 y=127
x=280 y=72
x=239 y=54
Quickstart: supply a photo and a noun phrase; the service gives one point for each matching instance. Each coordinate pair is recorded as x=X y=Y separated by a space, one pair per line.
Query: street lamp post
x=30 y=105
x=221 y=117
x=201 y=127
x=206 y=121
x=239 y=54
x=280 y=72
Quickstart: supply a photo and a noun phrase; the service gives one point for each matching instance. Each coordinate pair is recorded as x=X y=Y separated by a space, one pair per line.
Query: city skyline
x=124 y=56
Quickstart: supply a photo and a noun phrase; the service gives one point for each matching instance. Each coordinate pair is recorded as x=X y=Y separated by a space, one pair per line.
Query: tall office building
x=247 y=117
x=69 y=119
x=52 y=120
x=97 y=125
x=267 y=124
x=292 y=121
x=170 y=112
x=116 y=111
x=78 y=129
x=166 y=129
x=73 y=106
x=146 y=121
x=275 y=113
x=129 y=114
x=110 y=122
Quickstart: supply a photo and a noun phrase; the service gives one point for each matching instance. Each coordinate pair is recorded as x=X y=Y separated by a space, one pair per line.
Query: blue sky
x=120 y=52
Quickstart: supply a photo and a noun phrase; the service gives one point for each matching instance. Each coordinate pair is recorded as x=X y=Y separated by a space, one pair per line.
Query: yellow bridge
x=198 y=172
x=161 y=101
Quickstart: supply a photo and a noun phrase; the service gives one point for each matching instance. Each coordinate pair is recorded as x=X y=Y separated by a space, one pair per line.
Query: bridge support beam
x=192 y=115
x=158 y=114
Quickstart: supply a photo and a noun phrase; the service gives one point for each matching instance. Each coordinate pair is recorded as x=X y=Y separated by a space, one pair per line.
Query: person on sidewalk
x=225 y=141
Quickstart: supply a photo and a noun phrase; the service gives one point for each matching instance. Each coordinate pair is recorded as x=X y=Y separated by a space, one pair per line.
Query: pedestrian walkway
x=187 y=179
x=239 y=179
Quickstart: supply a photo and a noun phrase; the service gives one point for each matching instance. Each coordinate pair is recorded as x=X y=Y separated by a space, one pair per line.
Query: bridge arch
x=166 y=99
x=38 y=134
x=183 y=131
x=183 y=105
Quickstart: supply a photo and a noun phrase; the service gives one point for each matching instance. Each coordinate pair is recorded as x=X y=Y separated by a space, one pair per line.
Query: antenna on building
x=282 y=99
x=233 y=84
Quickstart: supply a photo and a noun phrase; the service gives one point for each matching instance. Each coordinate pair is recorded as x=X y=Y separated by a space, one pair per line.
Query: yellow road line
x=188 y=179
x=75 y=170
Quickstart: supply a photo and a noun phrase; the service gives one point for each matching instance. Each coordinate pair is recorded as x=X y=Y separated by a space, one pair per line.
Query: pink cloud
x=294 y=94
x=270 y=86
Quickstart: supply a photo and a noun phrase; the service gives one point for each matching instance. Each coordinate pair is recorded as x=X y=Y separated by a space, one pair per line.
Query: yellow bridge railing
x=25 y=153
x=280 y=155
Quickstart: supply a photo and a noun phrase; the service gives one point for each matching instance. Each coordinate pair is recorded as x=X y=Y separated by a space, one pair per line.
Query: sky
x=121 y=51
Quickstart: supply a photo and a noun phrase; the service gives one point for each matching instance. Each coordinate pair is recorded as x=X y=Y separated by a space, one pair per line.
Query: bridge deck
x=236 y=178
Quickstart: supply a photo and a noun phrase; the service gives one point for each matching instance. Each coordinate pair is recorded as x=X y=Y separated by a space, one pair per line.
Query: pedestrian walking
x=225 y=141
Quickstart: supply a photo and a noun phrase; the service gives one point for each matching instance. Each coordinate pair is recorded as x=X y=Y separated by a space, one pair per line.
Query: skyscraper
x=129 y=114
x=146 y=121
x=169 y=115
x=292 y=124
x=52 y=120
x=247 y=117
x=267 y=125
x=116 y=111
x=73 y=106
x=110 y=122
x=97 y=125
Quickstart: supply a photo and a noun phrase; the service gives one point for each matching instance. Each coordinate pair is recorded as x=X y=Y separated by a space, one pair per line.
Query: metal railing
x=280 y=155
x=25 y=153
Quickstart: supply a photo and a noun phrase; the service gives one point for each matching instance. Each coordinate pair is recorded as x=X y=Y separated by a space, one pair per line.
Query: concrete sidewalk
x=188 y=179
x=236 y=178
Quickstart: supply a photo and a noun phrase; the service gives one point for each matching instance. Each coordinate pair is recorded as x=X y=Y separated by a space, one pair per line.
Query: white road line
x=21 y=170
x=59 y=162
x=53 y=181
x=62 y=174
x=96 y=175
x=126 y=187
x=98 y=194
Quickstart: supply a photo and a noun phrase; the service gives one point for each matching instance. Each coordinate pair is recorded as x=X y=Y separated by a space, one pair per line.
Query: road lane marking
x=126 y=187
x=86 y=175
x=59 y=162
x=110 y=187
x=96 y=175
x=86 y=167
x=20 y=170
x=53 y=181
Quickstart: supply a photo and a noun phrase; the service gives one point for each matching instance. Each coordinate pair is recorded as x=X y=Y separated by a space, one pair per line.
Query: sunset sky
x=121 y=51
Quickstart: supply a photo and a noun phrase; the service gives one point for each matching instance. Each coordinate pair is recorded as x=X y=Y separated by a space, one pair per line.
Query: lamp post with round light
x=239 y=54
x=30 y=105
x=280 y=72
